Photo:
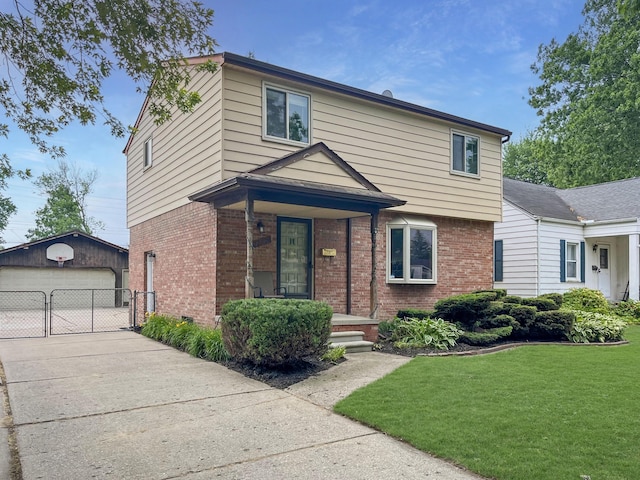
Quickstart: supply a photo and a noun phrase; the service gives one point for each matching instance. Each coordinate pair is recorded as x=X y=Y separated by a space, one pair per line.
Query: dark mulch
x=388 y=347
x=282 y=377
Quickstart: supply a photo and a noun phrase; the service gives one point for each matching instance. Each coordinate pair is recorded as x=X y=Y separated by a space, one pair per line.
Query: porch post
x=634 y=267
x=248 y=217
x=373 y=290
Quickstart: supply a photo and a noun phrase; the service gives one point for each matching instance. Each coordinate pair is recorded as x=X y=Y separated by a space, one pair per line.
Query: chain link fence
x=23 y=314
x=89 y=311
x=143 y=303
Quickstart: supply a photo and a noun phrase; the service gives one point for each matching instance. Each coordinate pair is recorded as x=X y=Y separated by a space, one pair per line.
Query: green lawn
x=535 y=412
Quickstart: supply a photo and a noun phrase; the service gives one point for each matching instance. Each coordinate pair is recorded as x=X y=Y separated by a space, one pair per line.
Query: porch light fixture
x=595 y=247
x=260 y=226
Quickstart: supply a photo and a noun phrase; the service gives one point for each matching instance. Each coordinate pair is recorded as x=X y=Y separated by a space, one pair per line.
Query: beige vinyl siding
x=325 y=171
x=186 y=155
x=404 y=154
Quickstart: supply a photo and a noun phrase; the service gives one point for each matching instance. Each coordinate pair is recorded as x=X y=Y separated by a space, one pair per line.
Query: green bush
x=275 y=332
x=525 y=316
x=585 y=299
x=542 y=304
x=512 y=299
x=552 y=325
x=386 y=328
x=498 y=321
x=197 y=341
x=629 y=310
x=464 y=309
x=596 y=327
x=555 y=297
x=500 y=292
x=487 y=337
x=414 y=313
x=498 y=308
x=426 y=332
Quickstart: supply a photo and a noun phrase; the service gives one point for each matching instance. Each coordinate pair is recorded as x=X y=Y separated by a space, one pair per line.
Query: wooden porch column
x=248 y=217
x=373 y=290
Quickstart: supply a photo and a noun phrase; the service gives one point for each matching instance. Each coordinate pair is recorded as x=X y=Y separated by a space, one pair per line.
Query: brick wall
x=330 y=283
x=464 y=256
x=183 y=241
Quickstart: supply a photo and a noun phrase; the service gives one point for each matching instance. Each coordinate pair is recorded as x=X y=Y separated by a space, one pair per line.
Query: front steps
x=351 y=340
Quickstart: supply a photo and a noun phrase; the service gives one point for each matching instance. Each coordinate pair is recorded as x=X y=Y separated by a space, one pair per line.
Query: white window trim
x=147 y=153
x=576 y=261
x=271 y=138
x=408 y=223
x=459 y=172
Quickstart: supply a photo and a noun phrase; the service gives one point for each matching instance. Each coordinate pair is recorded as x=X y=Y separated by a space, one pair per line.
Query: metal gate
x=23 y=314
x=89 y=310
x=143 y=303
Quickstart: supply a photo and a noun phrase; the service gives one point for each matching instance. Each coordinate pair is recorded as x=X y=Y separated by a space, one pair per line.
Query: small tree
x=67 y=189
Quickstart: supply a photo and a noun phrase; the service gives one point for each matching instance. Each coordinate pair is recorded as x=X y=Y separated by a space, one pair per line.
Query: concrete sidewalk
x=121 y=406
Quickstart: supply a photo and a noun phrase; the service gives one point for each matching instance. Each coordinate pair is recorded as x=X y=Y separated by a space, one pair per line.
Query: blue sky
x=469 y=58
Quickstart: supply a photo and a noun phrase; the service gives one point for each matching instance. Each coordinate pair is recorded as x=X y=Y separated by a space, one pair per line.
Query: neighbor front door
x=294 y=256
x=604 y=274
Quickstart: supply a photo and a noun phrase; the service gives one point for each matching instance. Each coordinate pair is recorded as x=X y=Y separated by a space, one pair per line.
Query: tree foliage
x=56 y=54
x=588 y=101
x=67 y=189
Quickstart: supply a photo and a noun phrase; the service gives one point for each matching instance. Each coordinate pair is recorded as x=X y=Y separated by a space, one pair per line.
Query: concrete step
x=354 y=347
x=348 y=336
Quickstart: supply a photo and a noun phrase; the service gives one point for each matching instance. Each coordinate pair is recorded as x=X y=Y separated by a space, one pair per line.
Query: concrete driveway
x=121 y=406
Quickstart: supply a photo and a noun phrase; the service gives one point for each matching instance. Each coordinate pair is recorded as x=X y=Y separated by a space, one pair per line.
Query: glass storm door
x=604 y=274
x=294 y=256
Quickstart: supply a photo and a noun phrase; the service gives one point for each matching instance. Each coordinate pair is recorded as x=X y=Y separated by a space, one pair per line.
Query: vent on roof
x=387 y=93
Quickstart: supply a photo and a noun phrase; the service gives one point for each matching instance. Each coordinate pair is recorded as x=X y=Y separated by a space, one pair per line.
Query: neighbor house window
x=572 y=261
x=148 y=153
x=286 y=115
x=465 y=153
x=411 y=251
x=498 y=262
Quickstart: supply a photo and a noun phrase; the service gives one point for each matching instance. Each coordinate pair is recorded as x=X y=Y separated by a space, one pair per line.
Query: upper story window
x=148 y=153
x=411 y=251
x=465 y=153
x=286 y=115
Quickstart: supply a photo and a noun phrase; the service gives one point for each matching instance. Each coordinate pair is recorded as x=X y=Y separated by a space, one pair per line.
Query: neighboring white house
x=552 y=240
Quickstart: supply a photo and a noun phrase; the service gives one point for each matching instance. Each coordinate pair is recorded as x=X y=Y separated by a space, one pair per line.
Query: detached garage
x=74 y=260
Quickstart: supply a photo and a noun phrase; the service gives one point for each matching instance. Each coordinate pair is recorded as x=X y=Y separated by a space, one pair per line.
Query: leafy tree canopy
x=56 y=54
x=588 y=101
x=67 y=189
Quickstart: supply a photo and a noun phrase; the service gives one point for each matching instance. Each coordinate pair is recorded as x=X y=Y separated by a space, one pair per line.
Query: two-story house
x=330 y=192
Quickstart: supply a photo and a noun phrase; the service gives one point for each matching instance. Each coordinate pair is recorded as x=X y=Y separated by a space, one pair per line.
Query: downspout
x=537 y=256
x=348 y=266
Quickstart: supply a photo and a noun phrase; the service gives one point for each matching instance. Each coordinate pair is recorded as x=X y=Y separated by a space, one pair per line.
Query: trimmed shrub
x=552 y=325
x=414 y=313
x=512 y=299
x=596 y=327
x=585 y=299
x=486 y=337
x=498 y=321
x=542 y=304
x=426 y=332
x=498 y=308
x=555 y=297
x=500 y=292
x=464 y=309
x=524 y=315
x=275 y=332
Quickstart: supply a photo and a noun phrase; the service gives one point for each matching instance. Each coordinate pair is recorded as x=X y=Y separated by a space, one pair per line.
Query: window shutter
x=563 y=260
x=582 y=262
x=497 y=261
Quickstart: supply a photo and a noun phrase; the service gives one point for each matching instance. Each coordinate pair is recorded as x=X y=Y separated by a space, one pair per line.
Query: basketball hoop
x=61 y=261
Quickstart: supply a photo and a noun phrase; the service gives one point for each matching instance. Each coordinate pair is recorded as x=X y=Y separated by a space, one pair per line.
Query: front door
x=294 y=256
x=604 y=274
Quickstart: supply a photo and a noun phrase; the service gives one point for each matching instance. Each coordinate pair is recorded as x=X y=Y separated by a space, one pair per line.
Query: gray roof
x=605 y=201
